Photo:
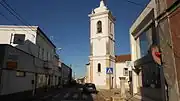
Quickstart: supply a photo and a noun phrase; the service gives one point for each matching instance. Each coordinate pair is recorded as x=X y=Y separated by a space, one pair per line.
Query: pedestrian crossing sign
x=109 y=70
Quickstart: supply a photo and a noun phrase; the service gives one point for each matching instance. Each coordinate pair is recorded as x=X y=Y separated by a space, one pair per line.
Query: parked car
x=90 y=88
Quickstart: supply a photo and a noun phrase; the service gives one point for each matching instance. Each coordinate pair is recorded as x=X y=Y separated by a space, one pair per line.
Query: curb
x=143 y=98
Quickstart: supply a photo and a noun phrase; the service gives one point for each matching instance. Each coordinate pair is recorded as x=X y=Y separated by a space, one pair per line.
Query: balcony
x=47 y=65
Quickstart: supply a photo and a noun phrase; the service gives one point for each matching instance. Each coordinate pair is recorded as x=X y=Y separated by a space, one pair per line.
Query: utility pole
x=74 y=75
x=73 y=71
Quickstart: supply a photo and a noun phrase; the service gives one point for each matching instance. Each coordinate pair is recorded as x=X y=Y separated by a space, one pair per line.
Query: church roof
x=123 y=58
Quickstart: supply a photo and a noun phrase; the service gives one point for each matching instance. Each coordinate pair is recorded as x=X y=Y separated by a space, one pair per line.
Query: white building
x=29 y=62
x=143 y=35
x=57 y=71
x=66 y=74
x=102 y=47
x=102 y=54
x=30 y=39
x=123 y=70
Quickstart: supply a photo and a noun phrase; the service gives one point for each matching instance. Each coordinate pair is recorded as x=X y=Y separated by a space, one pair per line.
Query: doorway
x=112 y=82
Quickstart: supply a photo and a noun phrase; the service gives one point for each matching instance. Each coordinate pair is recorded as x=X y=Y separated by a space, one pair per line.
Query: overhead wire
x=168 y=13
x=14 y=24
x=7 y=6
x=4 y=16
x=135 y=3
x=4 y=4
x=16 y=13
x=13 y=12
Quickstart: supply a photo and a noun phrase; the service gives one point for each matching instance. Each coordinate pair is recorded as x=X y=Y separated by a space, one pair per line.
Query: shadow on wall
x=149 y=79
x=28 y=47
x=151 y=93
x=150 y=82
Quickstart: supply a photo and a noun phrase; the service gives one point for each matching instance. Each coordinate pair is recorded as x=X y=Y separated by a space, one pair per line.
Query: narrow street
x=71 y=94
x=90 y=50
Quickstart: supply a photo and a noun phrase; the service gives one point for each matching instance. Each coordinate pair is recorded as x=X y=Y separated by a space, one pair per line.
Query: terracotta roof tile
x=123 y=58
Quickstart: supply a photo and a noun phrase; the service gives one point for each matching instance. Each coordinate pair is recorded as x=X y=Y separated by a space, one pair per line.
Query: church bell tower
x=102 y=47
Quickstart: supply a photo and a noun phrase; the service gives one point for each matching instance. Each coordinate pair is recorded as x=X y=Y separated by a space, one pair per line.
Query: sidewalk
x=51 y=94
x=137 y=97
x=108 y=95
x=27 y=96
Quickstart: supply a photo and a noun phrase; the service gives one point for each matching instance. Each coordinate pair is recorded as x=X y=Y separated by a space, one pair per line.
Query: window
x=19 y=39
x=128 y=63
x=47 y=56
x=20 y=74
x=41 y=80
x=39 y=51
x=125 y=71
x=50 y=57
x=99 y=27
x=143 y=44
x=99 y=67
x=42 y=53
x=146 y=41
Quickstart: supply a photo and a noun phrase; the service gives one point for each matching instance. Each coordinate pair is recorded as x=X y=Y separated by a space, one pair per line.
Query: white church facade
x=102 y=46
x=101 y=69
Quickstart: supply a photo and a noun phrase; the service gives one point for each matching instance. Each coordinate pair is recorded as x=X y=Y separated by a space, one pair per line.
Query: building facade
x=81 y=80
x=30 y=39
x=102 y=47
x=29 y=72
x=157 y=26
x=146 y=74
x=29 y=60
x=66 y=74
x=168 y=31
x=57 y=71
x=123 y=71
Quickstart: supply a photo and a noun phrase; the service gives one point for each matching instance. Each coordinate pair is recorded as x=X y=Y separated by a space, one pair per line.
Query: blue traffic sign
x=109 y=70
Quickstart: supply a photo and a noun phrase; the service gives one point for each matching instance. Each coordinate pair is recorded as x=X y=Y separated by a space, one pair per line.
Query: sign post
x=109 y=71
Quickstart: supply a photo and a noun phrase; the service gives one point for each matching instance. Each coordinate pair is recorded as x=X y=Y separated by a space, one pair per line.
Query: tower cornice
x=108 y=12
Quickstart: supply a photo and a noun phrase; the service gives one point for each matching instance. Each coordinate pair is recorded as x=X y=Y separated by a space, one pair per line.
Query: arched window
x=99 y=67
x=99 y=27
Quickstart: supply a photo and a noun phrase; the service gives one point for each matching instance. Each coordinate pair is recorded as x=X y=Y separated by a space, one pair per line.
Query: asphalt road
x=73 y=94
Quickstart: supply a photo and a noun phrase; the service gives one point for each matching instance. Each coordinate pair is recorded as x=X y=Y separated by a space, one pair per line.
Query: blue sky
x=67 y=21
